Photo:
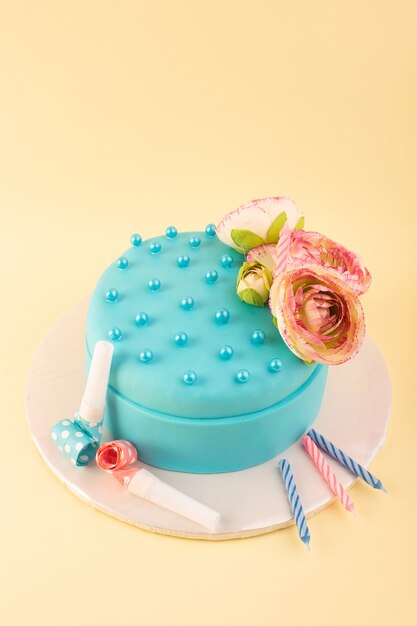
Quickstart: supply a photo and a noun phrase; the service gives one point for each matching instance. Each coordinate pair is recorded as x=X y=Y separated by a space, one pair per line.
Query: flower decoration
x=266 y=254
x=312 y=282
x=253 y=283
x=274 y=256
x=258 y=222
x=311 y=248
x=308 y=248
x=318 y=316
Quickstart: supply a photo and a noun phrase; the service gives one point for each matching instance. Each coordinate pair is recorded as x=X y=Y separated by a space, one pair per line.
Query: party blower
x=117 y=458
x=80 y=438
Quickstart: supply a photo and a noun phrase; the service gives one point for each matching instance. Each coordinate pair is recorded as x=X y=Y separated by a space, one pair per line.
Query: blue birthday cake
x=206 y=377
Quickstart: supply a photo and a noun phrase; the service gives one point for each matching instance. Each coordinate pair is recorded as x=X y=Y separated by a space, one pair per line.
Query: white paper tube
x=150 y=487
x=94 y=398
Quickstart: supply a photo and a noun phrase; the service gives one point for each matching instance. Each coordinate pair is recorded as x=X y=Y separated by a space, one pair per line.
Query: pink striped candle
x=327 y=473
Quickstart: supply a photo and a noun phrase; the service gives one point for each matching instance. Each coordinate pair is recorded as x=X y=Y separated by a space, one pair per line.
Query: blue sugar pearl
x=226 y=353
x=171 y=232
x=222 y=316
x=142 y=319
x=146 y=356
x=136 y=239
x=183 y=260
x=187 y=303
x=122 y=263
x=115 y=334
x=154 y=284
x=275 y=365
x=258 y=336
x=155 y=247
x=181 y=339
x=194 y=242
x=189 y=377
x=227 y=260
x=211 y=277
x=242 y=376
x=210 y=230
x=112 y=295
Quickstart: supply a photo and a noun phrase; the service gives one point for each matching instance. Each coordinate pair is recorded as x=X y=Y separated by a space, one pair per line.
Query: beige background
x=125 y=116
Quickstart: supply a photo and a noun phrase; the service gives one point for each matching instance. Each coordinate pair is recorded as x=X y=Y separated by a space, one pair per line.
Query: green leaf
x=274 y=230
x=268 y=275
x=300 y=223
x=243 y=268
x=250 y=296
x=245 y=239
x=274 y=319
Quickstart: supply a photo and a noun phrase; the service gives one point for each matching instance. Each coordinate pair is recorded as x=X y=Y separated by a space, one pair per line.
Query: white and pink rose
x=312 y=282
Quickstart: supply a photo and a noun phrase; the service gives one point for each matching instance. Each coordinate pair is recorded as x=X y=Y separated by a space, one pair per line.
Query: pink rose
x=318 y=315
x=310 y=248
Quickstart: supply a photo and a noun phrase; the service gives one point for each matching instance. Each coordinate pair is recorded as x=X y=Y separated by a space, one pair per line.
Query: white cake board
x=354 y=415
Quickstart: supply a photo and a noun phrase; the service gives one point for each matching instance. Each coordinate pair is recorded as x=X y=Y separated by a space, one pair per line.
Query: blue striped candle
x=295 y=503
x=344 y=459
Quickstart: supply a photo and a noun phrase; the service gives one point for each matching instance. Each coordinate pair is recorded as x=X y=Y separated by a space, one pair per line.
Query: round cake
x=200 y=381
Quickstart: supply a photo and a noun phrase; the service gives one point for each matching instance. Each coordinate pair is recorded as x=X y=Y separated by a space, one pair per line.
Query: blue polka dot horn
x=80 y=438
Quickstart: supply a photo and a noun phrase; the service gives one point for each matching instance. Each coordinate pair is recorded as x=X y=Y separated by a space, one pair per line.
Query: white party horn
x=150 y=487
x=119 y=459
x=93 y=401
x=80 y=438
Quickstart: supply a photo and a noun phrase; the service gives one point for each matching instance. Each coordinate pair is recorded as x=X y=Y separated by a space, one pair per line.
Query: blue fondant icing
x=216 y=424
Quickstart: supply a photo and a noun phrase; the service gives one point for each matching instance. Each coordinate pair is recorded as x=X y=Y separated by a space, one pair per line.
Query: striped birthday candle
x=327 y=473
x=294 y=500
x=345 y=460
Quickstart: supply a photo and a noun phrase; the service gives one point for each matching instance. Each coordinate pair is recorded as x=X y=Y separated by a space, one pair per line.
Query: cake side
x=215 y=445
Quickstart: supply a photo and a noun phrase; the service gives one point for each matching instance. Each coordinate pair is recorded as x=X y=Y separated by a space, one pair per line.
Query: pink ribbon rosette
x=118 y=458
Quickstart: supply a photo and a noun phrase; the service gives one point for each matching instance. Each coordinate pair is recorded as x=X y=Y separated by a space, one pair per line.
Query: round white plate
x=354 y=415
